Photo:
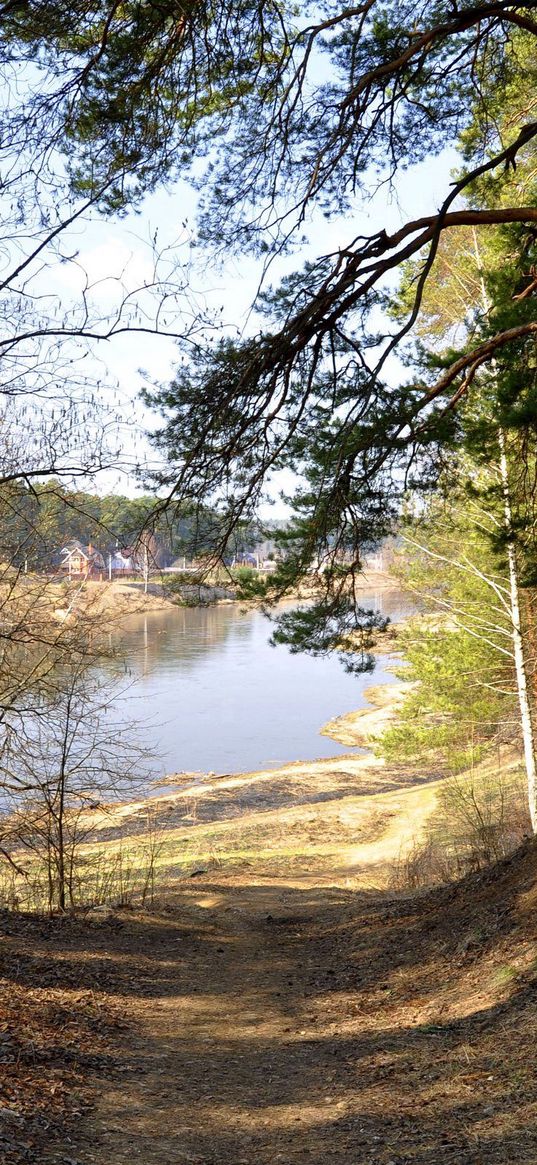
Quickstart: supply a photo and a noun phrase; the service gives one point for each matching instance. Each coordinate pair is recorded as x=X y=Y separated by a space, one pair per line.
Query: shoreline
x=343 y=820
x=354 y=729
x=124 y=598
x=366 y=772
x=361 y=728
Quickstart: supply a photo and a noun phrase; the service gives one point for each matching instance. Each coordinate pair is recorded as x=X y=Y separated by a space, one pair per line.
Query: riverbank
x=351 y=819
x=110 y=599
x=344 y=821
x=129 y=597
x=344 y=817
x=362 y=728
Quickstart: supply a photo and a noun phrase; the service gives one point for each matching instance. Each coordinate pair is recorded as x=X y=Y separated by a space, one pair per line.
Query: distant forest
x=37 y=521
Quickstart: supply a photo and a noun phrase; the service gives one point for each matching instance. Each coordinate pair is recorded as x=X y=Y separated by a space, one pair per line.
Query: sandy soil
x=112 y=598
x=341 y=819
x=363 y=727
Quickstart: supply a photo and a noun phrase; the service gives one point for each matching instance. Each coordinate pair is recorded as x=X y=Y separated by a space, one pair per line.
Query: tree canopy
x=276 y=116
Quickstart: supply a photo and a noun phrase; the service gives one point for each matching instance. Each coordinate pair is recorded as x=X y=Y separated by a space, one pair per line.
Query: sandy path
x=221 y=1067
x=267 y=1023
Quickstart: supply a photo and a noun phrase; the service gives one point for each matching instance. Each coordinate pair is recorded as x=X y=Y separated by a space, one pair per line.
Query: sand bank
x=360 y=729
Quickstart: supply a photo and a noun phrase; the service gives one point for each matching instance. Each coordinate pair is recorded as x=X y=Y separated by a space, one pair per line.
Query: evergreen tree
x=460 y=651
x=277 y=115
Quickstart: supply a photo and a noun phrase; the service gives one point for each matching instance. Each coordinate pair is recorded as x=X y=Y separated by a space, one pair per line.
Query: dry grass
x=480 y=817
x=336 y=832
x=118 y=874
x=358 y=824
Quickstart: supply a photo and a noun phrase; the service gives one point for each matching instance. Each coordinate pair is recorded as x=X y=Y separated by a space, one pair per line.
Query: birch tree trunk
x=526 y=718
x=524 y=703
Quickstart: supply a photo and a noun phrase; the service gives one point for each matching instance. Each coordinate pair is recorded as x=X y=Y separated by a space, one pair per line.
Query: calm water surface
x=212 y=695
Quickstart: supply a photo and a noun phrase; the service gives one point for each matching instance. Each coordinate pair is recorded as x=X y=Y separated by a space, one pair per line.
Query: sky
x=115 y=254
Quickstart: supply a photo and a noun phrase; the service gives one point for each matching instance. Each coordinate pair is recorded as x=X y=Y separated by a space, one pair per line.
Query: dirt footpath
x=274 y=1023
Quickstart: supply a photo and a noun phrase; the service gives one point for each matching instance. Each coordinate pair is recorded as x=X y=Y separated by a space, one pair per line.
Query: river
x=209 y=694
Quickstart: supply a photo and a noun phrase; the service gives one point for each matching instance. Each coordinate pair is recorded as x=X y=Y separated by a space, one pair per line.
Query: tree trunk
x=526 y=718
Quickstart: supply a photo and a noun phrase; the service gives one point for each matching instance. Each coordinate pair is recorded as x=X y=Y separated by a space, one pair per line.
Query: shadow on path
x=268 y=1024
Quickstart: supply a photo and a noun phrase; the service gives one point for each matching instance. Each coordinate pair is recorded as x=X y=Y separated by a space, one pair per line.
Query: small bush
x=480 y=818
x=97 y=877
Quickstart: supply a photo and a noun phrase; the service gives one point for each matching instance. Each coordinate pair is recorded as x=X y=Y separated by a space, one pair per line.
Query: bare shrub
x=480 y=818
x=75 y=756
x=98 y=876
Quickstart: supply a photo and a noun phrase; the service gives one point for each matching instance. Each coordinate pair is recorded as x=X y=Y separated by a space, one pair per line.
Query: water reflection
x=217 y=697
